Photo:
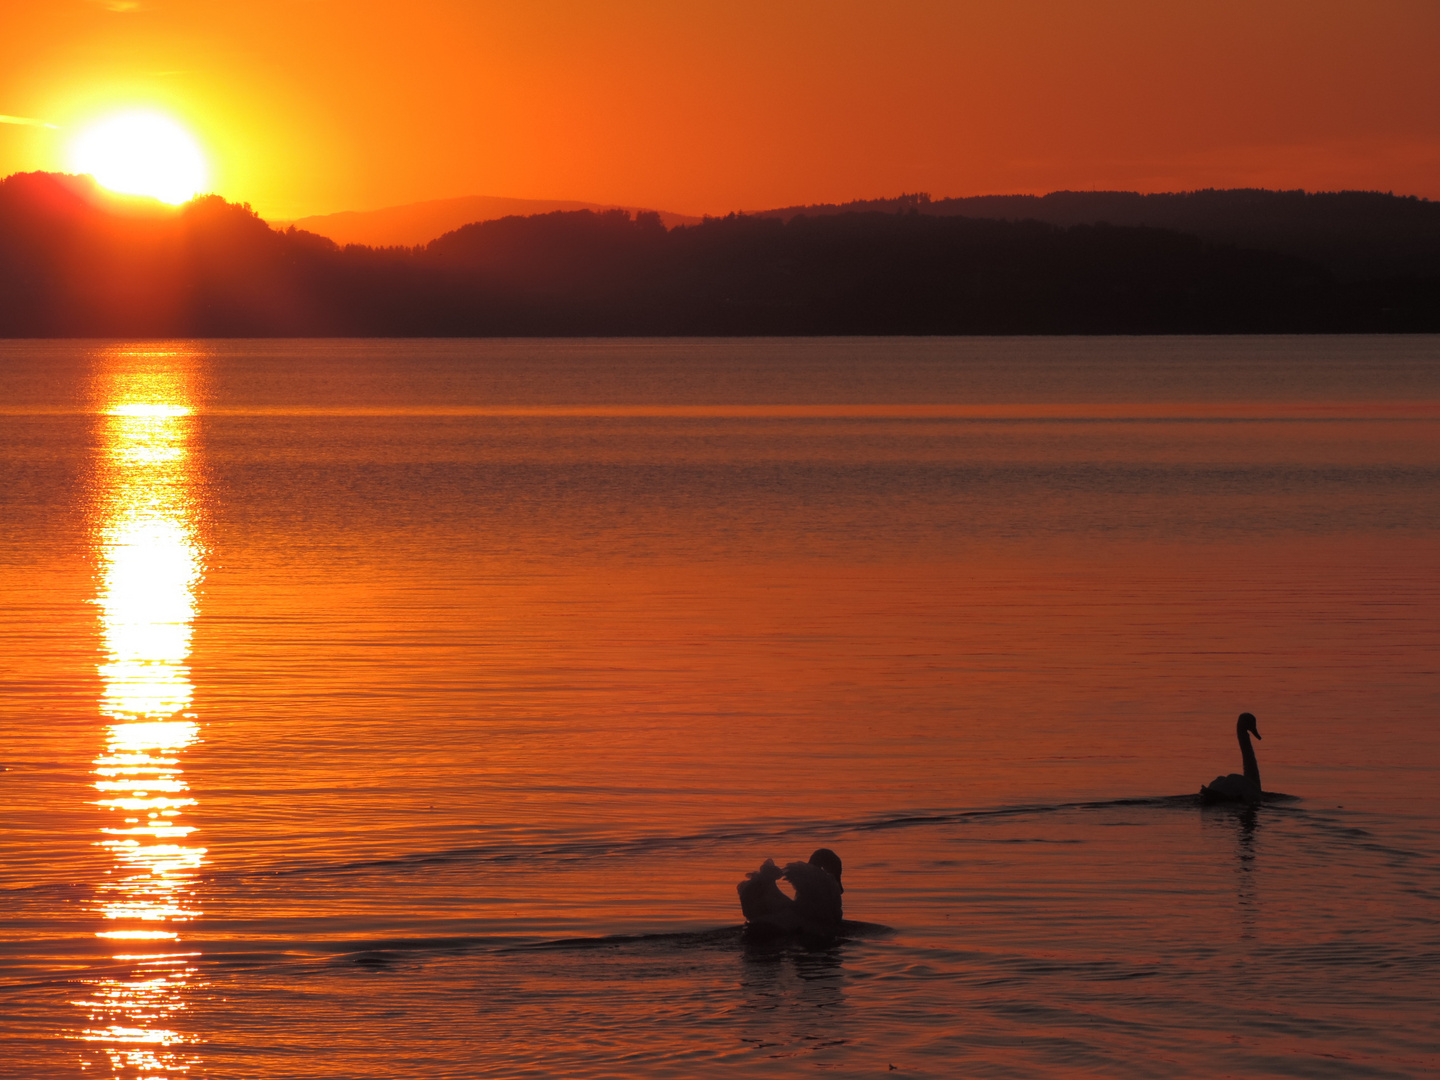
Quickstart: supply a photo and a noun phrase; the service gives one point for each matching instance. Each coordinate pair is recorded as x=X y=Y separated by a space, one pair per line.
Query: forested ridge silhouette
x=1355 y=234
x=74 y=262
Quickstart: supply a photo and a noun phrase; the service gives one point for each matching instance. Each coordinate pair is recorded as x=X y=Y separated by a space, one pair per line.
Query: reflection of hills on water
x=75 y=263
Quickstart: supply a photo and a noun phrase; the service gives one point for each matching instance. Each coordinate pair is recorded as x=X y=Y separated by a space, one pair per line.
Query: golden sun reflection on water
x=150 y=562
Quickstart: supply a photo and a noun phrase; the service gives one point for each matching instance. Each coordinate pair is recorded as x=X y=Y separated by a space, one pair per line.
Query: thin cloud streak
x=25 y=121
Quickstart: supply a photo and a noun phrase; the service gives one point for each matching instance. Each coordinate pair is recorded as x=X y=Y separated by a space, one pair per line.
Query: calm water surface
x=410 y=709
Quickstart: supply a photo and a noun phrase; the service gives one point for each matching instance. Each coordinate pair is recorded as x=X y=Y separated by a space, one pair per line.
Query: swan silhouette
x=1236 y=788
x=815 y=912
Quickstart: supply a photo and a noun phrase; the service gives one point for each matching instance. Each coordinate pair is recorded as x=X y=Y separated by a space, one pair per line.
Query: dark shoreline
x=74 y=264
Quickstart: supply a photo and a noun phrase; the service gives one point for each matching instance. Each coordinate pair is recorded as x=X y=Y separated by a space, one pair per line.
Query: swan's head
x=828 y=861
x=1247 y=723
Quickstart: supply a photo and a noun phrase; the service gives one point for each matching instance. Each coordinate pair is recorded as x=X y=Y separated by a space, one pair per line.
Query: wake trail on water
x=358 y=941
x=596 y=847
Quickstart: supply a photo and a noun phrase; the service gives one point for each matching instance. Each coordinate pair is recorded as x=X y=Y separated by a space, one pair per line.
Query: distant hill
x=77 y=263
x=1355 y=234
x=419 y=223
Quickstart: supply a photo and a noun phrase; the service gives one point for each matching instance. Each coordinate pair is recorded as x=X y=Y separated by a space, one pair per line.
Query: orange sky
x=310 y=106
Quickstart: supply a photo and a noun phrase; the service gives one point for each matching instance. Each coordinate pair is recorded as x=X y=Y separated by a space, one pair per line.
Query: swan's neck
x=1247 y=755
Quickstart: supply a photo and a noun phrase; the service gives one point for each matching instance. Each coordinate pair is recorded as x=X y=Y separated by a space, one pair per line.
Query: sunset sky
x=312 y=106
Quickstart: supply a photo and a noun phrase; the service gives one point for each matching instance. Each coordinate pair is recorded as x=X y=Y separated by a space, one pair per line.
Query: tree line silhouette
x=1354 y=234
x=74 y=262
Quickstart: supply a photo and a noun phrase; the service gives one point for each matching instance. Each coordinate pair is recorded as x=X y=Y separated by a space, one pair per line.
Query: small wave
x=380 y=952
x=759 y=833
x=725 y=936
x=585 y=849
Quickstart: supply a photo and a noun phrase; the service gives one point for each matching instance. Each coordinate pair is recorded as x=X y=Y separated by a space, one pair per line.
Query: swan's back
x=1232 y=788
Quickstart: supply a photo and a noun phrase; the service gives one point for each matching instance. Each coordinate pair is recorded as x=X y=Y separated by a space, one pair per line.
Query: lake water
x=411 y=708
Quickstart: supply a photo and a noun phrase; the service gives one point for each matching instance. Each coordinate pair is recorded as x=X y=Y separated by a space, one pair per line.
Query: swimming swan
x=1237 y=788
x=816 y=910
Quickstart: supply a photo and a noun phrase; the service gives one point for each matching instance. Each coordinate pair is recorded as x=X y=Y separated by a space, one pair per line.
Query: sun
x=141 y=153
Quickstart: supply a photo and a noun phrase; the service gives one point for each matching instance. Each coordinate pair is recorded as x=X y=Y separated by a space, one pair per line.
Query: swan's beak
x=1257 y=733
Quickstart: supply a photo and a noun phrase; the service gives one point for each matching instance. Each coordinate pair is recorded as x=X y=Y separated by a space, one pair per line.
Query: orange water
x=353 y=690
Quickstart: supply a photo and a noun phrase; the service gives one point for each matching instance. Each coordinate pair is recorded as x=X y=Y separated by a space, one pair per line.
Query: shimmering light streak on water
x=150 y=563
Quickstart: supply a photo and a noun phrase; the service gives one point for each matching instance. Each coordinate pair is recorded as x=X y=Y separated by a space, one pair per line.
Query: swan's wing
x=762 y=903
x=768 y=872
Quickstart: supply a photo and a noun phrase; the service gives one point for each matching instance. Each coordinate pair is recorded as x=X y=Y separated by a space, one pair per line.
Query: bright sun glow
x=141 y=153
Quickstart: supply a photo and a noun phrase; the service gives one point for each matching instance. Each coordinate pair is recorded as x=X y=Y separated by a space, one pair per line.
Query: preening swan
x=816 y=910
x=1235 y=787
